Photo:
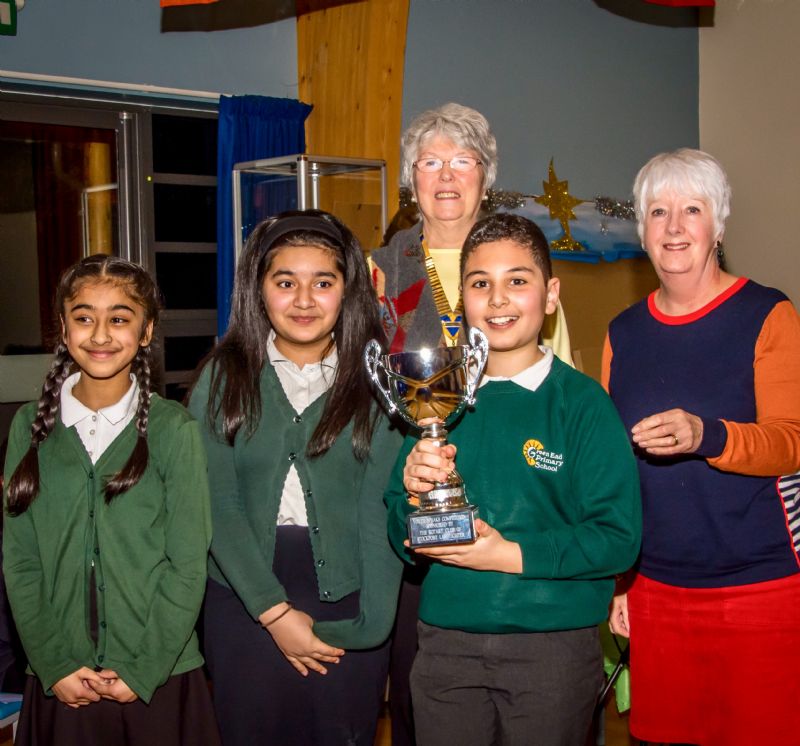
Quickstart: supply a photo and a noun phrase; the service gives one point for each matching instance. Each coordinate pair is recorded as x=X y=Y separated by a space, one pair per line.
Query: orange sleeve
x=770 y=446
x=605 y=364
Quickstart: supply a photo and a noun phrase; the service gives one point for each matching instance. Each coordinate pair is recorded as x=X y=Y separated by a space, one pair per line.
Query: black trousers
x=403 y=651
x=505 y=689
x=259 y=698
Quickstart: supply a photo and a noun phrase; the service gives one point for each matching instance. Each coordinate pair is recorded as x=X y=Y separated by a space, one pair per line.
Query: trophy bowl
x=424 y=384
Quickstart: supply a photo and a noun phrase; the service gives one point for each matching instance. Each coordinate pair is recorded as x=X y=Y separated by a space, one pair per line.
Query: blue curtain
x=250 y=128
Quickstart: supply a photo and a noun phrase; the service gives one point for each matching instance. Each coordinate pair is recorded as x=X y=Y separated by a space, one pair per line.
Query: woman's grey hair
x=466 y=127
x=688 y=172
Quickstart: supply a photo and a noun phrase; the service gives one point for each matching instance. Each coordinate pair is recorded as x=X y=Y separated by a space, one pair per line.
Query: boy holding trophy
x=508 y=641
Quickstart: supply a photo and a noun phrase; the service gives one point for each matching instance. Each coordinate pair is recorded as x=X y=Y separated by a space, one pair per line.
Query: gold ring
x=675 y=438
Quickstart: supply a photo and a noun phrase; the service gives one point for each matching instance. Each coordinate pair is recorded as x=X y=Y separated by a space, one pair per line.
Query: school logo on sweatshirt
x=539 y=457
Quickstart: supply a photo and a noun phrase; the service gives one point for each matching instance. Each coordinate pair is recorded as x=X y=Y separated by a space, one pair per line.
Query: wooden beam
x=350 y=66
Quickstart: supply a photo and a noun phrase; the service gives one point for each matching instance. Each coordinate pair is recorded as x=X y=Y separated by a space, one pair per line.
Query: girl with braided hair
x=107 y=530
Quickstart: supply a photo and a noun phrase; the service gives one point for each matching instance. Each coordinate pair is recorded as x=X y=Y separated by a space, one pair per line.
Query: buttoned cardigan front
x=145 y=553
x=344 y=506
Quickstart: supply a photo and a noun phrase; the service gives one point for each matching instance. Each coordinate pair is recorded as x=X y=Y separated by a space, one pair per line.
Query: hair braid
x=139 y=286
x=24 y=483
x=136 y=464
x=143 y=374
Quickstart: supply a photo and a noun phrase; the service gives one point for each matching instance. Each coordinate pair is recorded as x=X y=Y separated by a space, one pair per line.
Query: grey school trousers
x=531 y=689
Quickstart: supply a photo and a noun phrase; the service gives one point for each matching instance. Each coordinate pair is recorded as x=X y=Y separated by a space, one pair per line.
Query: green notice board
x=8 y=18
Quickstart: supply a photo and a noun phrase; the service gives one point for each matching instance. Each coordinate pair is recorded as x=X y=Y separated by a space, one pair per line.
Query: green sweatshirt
x=553 y=470
x=346 y=515
x=148 y=549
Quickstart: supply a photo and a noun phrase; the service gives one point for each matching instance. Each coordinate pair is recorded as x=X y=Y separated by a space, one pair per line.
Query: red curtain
x=59 y=173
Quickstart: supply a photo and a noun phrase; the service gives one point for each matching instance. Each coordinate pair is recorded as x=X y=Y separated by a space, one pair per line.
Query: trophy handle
x=478 y=352
x=372 y=358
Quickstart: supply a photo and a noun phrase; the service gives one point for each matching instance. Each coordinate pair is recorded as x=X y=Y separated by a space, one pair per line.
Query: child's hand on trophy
x=490 y=551
x=426 y=464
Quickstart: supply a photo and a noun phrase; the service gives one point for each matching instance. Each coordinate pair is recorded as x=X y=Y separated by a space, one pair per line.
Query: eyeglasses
x=461 y=163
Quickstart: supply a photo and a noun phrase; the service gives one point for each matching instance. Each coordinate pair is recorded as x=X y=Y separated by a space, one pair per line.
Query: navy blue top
x=702 y=527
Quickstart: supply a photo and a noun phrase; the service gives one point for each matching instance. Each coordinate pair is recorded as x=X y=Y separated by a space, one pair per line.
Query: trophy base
x=442 y=527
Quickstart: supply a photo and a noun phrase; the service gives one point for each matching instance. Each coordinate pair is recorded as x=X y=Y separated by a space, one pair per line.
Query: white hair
x=686 y=171
x=466 y=127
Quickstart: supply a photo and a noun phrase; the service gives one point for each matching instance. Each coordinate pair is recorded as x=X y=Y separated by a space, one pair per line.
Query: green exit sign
x=8 y=18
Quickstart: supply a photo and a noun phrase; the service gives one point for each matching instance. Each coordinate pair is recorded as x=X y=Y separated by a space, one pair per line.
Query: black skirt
x=179 y=714
x=259 y=698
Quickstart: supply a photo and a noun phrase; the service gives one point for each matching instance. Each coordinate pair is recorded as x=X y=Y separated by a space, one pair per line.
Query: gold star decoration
x=560 y=202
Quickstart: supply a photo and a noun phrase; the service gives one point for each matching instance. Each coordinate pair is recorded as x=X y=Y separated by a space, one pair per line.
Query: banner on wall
x=684 y=3
x=171 y=3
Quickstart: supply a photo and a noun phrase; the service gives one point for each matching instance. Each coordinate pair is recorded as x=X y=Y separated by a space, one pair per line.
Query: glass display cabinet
x=353 y=189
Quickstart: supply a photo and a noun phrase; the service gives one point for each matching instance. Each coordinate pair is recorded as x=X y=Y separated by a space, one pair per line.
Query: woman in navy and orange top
x=705 y=373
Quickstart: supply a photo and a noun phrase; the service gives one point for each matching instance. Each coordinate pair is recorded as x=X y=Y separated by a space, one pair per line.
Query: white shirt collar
x=73 y=411
x=530 y=378
x=331 y=360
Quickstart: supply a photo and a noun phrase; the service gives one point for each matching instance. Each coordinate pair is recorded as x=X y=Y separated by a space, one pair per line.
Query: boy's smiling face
x=505 y=296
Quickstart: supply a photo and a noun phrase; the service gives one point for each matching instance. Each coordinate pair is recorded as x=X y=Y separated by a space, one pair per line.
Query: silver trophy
x=436 y=382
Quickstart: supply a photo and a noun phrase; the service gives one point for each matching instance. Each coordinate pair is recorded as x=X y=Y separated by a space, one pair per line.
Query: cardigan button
x=297 y=418
x=315 y=529
x=321 y=563
x=101 y=588
x=309 y=493
x=100 y=657
x=292 y=456
x=91 y=475
x=326 y=594
x=97 y=550
x=103 y=625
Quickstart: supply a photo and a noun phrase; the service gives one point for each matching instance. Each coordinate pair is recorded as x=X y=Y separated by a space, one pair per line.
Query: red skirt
x=716 y=666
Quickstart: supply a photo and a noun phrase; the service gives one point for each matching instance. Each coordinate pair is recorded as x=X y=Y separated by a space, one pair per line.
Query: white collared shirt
x=302 y=387
x=97 y=430
x=530 y=378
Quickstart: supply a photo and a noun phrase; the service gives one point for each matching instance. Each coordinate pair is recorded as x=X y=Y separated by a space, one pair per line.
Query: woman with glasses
x=449 y=161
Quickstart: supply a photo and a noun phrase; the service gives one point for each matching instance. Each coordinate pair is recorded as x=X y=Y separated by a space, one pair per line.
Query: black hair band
x=294 y=223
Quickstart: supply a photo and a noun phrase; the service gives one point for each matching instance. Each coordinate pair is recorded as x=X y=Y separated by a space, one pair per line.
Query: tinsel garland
x=497 y=199
x=615 y=208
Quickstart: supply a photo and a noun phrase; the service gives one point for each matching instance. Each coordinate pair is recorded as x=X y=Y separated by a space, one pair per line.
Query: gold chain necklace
x=450 y=318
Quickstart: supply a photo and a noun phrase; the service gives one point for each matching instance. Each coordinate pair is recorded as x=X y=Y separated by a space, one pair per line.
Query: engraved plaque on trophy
x=439 y=383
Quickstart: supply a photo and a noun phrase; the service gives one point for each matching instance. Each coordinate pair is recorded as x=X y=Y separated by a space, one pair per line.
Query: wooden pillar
x=99 y=220
x=350 y=66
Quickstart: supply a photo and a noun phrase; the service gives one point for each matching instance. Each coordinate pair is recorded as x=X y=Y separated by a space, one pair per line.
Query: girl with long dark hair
x=303 y=583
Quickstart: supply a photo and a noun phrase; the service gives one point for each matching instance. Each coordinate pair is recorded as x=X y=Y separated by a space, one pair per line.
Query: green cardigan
x=346 y=514
x=553 y=470
x=148 y=548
